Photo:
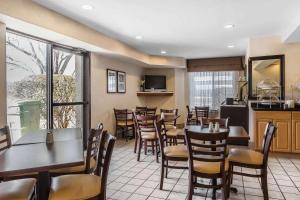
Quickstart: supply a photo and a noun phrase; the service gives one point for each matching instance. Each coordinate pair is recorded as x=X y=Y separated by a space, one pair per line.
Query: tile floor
x=132 y=180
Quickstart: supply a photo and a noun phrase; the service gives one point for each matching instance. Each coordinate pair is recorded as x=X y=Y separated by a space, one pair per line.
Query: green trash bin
x=30 y=114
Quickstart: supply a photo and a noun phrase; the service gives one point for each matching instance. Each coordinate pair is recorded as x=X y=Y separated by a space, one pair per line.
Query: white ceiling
x=184 y=28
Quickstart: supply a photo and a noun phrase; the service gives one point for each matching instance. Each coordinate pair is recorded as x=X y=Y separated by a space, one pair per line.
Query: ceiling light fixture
x=139 y=37
x=87 y=7
x=163 y=52
x=229 y=26
x=230 y=46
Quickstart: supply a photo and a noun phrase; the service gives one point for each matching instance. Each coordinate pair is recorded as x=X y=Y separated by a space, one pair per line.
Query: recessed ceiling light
x=87 y=7
x=163 y=52
x=139 y=37
x=230 y=46
x=229 y=26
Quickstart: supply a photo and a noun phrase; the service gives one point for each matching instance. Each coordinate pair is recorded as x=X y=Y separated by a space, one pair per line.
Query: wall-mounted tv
x=155 y=82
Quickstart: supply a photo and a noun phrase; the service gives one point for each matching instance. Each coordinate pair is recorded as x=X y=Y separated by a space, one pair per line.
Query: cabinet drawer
x=296 y=115
x=275 y=115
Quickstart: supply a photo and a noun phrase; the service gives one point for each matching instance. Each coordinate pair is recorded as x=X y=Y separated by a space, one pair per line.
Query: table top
x=41 y=157
x=235 y=132
x=58 y=135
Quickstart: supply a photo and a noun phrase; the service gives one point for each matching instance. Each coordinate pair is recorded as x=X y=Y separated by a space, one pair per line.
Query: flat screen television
x=155 y=82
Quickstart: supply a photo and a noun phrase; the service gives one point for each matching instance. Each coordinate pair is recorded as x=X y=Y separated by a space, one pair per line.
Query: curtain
x=212 y=88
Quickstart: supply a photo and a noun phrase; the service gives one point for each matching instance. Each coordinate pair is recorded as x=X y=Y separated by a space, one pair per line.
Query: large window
x=44 y=85
x=211 y=88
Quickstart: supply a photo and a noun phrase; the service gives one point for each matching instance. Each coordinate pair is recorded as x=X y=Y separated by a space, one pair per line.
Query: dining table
x=31 y=154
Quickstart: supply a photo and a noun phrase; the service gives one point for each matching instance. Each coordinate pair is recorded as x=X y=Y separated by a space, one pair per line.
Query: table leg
x=43 y=186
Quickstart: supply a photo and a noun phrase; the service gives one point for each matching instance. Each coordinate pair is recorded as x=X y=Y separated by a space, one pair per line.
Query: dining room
x=95 y=104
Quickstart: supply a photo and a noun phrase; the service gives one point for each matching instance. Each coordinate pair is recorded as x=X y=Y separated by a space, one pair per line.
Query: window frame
x=49 y=81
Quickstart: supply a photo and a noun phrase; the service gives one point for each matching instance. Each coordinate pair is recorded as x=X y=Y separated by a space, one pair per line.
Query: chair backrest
x=5 y=138
x=93 y=148
x=141 y=110
x=270 y=131
x=222 y=121
x=160 y=131
x=201 y=112
x=107 y=142
x=170 y=116
x=207 y=147
x=151 y=111
x=123 y=115
x=144 y=123
x=188 y=109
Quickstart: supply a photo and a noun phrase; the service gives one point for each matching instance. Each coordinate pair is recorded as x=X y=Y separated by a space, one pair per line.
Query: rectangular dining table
x=39 y=157
x=237 y=134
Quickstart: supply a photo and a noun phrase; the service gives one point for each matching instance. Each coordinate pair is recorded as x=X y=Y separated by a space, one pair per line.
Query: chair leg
x=156 y=151
x=191 y=188
x=264 y=184
x=135 y=143
x=152 y=147
x=139 y=150
x=167 y=164
x=162 y=174
x=145 y=146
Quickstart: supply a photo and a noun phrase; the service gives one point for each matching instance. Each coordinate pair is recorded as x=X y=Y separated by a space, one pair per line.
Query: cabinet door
x=260 y=131
x=296 y=136
x=282 y=141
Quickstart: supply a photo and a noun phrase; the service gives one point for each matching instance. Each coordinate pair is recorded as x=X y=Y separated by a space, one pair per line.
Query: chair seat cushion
x=176 y=151
x=20 y=189
x=245 y=156
x=75 y=169
x=175 y=132
x=148 y=135
x=123 y=123
x=75 y=187
x=209 y=167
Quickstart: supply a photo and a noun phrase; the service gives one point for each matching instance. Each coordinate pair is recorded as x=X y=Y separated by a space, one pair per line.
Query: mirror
x=266 y=76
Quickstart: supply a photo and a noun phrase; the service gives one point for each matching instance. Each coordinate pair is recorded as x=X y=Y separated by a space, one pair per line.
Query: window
x=44 y=85
x=211 y=88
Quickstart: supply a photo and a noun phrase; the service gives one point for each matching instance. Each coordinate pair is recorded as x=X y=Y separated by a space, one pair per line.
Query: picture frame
x=111 y=81
x=121 y=82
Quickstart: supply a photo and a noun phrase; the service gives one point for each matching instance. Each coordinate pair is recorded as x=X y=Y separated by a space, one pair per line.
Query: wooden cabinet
x=282 y=141
x=296 y=132
x=283 y=136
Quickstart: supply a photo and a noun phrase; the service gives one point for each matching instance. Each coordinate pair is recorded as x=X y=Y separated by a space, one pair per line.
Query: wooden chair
x=86 y=186
x=5 y=138
x=170 y=125
x=90 y=158
x=223 y=122
x=169 y=153
x=201 y=112
x=207 y=160
x=253 y=159
x=15 y=189
x=146 y=133
x=124 y=122
x=151 y=111
x=191 y=118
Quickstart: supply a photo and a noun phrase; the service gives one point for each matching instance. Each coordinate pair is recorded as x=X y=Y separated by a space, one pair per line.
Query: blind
x=216 y=64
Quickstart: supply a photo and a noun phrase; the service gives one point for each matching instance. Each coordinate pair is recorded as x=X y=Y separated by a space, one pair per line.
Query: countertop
x=259 y=107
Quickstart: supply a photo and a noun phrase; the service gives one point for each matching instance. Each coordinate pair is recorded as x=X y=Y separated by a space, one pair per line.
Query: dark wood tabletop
x=41 y=157
x=235 y=132
x=58 y=135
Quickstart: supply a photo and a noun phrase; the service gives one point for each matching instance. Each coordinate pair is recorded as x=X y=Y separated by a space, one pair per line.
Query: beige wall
x=2 y=76
x=103 y=103
x=273 y=45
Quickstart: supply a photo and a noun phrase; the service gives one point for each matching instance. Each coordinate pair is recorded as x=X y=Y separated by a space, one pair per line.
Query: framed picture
x=121 y=82
x=111 y=81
